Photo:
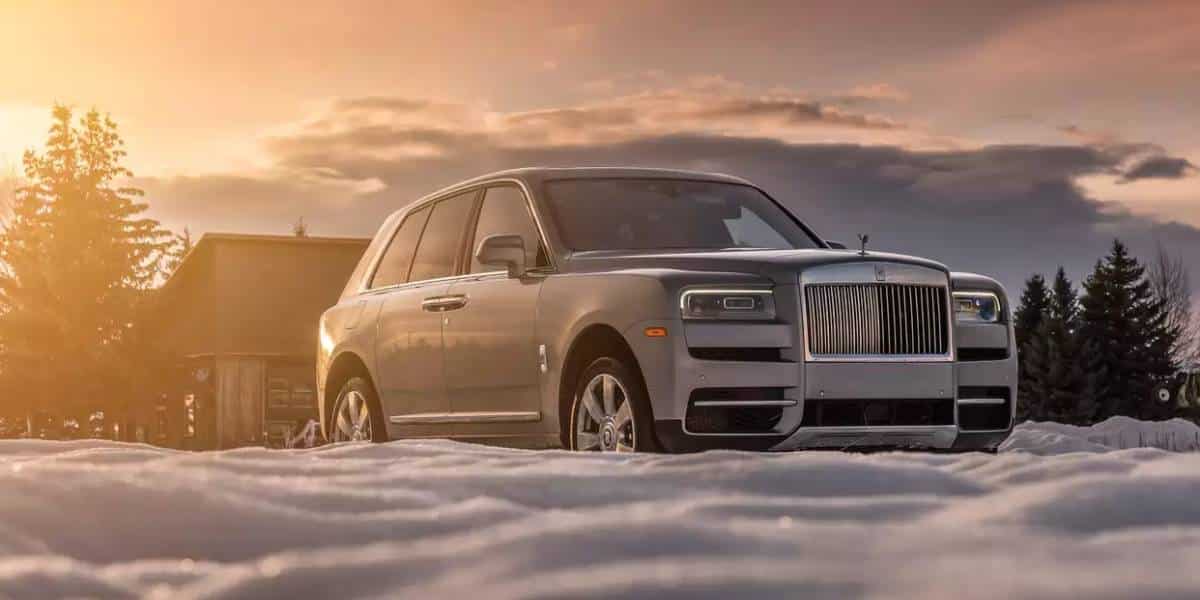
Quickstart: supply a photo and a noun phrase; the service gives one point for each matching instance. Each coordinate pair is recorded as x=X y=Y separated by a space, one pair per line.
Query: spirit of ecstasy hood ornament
x=862 y=241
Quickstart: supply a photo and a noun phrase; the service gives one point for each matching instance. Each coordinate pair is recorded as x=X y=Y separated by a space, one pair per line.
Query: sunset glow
x=343 y=112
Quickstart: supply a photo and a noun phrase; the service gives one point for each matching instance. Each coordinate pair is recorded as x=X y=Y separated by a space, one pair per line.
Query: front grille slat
x=876 y=319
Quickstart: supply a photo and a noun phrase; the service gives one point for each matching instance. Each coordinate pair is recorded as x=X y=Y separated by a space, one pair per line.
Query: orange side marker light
x=656 y=332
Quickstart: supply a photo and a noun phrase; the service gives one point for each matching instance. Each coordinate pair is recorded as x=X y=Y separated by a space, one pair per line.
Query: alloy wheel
x=604 y=417
x=353 y=419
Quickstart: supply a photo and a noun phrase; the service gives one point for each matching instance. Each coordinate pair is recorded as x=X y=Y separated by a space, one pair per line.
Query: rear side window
x=440 y=243
x=378 y=242
x=393 y=267
x=505 y=212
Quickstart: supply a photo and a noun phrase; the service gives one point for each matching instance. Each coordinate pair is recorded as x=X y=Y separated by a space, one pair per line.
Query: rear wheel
x=356 y=414
x=610 y=412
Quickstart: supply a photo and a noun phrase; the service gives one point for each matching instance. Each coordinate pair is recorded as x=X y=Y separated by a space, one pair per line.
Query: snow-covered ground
x=1060 y=512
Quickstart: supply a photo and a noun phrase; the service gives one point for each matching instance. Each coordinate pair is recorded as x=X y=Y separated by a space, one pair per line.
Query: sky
x=1000 y=137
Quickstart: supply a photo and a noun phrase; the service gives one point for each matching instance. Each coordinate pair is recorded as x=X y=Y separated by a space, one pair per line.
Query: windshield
x=656 y=214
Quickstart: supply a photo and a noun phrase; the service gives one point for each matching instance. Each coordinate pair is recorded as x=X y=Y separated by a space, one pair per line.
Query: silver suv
x=653 y=310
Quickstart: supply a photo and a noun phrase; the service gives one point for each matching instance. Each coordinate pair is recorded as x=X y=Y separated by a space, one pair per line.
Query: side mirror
x=835 y=245
x=506 y=251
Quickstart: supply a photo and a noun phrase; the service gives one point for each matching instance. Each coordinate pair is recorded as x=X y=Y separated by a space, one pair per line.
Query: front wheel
x=611 y=412
x=356 y=414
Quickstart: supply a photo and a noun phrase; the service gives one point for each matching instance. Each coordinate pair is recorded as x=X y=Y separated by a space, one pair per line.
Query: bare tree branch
x=1168 y=277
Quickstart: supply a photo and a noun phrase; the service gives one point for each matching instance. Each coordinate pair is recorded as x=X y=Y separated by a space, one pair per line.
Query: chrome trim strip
x=417 y=284
x=977 y=401
x=730 y=403
x=467 y=417
x=886 y=429
x=878 y=358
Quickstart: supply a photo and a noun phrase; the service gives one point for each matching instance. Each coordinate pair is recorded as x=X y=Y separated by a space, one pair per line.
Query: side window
x=505 y=211
x=378 y=243
x=443 y=235
x=393 y=267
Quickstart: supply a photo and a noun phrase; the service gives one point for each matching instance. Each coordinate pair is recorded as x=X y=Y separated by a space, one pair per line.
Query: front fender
x=628 y=302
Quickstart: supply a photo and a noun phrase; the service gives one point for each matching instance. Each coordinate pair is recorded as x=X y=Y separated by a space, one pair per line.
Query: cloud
x=872 y=93
x=1007 y=210
x=1088 y=136
x=377 y=129
x=1159 y=167
x=267 y=202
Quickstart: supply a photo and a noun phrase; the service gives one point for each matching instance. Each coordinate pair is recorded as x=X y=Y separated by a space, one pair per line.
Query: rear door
x=415 y=279
x=492 y=369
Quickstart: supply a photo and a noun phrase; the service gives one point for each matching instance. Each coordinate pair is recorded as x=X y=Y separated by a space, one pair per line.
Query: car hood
x=778 y=265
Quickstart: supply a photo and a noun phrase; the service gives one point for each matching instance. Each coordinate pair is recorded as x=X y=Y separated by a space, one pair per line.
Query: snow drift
x=1060 y=512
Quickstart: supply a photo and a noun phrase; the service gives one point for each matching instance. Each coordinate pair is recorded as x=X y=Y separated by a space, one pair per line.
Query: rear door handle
x=443 y=303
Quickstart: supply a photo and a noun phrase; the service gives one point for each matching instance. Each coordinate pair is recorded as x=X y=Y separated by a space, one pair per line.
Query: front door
x=492 y=359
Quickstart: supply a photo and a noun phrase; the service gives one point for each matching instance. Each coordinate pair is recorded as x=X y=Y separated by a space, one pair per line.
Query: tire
x=349 y=423
x=599 y=421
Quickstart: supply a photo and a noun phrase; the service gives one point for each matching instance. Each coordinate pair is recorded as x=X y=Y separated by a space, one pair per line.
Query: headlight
x=728 y=304
x=976 y=307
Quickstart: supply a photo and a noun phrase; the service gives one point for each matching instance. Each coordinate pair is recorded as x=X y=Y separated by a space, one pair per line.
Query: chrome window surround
x=475 y=186
x=870 y=272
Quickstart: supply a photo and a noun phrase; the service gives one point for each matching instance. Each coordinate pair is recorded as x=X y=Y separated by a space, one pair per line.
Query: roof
x=250 y=294
x=208 y=240
x=275 y=239
x=534 y=176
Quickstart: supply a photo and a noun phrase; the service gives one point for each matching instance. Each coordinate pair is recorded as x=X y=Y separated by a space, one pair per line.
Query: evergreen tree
x=1035 y=301
x=1127 y=338
x=76 y=260
x=1064 y=302
x=1053 y=371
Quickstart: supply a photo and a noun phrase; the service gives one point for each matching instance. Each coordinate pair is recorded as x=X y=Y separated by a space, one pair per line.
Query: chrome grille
x=876 y=319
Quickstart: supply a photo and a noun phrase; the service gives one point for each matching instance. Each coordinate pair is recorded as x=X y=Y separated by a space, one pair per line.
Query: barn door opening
x=240 y=391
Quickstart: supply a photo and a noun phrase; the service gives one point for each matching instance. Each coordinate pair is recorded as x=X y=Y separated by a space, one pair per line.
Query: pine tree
x=1127 y=338
x=1035 y=301
x=1064 y=302
x=1052 y=365
x=75 y=263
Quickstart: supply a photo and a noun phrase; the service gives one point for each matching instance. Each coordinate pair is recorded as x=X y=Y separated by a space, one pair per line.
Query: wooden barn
x=237 y=328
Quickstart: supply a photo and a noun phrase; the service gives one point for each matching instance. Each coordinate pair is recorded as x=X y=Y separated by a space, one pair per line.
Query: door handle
x=444 y=303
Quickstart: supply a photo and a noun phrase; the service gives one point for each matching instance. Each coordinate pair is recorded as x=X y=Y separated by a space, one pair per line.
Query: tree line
x=1105 y=350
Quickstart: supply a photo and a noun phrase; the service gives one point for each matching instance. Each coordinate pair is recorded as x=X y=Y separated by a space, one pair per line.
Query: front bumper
x=674 y=376
x=671 y=436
